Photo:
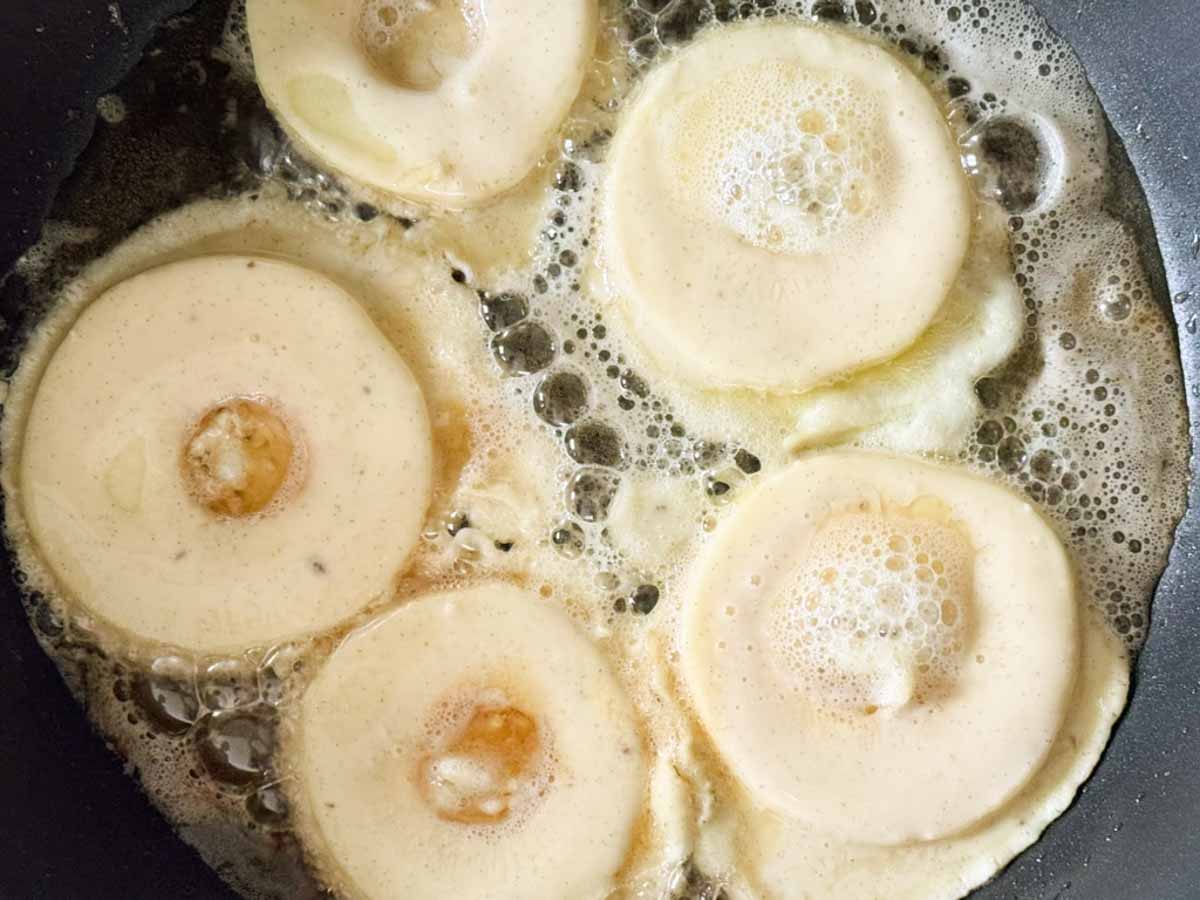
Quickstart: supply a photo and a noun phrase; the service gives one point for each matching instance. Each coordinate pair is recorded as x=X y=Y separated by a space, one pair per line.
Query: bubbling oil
x=564 y=454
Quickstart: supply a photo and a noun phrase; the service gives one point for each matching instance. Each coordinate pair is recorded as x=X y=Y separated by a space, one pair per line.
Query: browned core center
x=237 y=457
x=475 y=779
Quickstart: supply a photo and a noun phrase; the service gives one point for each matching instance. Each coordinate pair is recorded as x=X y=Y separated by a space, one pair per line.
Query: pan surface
x=72 y=824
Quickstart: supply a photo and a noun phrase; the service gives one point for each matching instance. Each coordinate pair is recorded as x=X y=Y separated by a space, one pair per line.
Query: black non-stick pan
x=73 y=825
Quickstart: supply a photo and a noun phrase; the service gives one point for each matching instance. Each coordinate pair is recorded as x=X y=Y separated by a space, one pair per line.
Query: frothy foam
x=878 y=613
x=799 y=183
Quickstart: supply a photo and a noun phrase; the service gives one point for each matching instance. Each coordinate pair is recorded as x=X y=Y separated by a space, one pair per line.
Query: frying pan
x=72 y=825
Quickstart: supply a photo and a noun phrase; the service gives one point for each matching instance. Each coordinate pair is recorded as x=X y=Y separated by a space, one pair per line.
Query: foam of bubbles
x=791 y=186
x=877 y=615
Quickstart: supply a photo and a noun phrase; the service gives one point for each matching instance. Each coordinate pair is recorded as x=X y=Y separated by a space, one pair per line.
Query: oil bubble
x=590 y=493
x=644 y=599
x=708 y=454
x=990 y=433
x=747 y=462
x=166 y=693
x=568 y=177
x=1044 y=465
x=831 y=11
x=561 y=398
x=568 y=539
x=1011 y=454
x=277 y=672
x=633 y=383
x=228 y=683
x=1010 y=157
x=503 y=310
x=237 y=748
x=523 y=349
x=720 y=486
x=268 y=806
x=1117 y=309
x=595 y=444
